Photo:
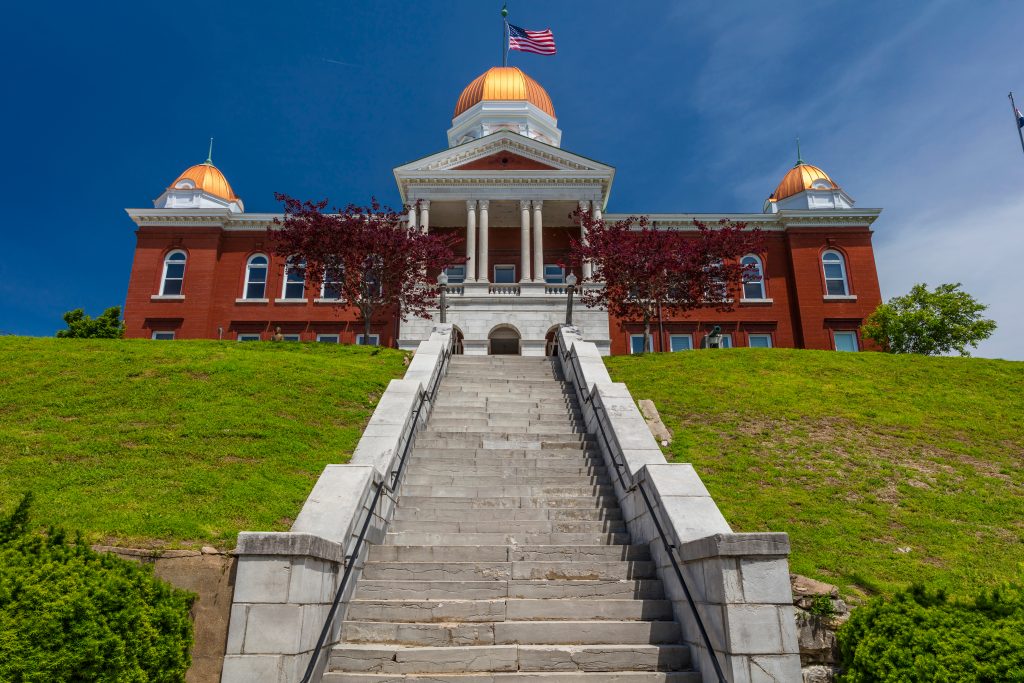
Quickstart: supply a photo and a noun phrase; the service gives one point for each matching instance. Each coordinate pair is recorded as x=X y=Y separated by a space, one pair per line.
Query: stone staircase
x=507 y=558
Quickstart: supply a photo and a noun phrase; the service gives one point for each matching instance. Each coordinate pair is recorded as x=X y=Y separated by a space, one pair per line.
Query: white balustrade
x=503 y=290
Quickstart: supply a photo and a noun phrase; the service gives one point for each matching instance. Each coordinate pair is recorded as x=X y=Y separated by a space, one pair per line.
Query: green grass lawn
x=885 y=470
x=178 y=443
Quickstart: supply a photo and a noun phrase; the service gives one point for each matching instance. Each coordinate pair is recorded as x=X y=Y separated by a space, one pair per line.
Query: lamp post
x=571 y=281
x=715 y=338
x=442 y=282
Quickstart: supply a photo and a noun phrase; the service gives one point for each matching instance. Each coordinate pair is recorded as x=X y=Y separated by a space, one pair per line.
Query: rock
x=209 y=550
x=818 y=644
x=903 y=550
x=819 y=674
x=804 y=586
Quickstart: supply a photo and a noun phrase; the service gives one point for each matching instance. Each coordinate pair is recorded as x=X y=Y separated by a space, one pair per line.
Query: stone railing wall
x=286 y=581
x=738 y=582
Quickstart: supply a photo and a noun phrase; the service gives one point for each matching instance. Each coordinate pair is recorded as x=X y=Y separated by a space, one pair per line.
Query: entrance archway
x=551 y=342
x=504 y=341
x=457 y=341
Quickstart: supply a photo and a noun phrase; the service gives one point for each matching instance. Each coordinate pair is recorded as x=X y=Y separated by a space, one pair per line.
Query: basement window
x=636 y=343
x=845 y=341
x=759 y=341
x=248 y=337
x=680 y=342
x=328 y=338
x=374 y=340
x=164 y=336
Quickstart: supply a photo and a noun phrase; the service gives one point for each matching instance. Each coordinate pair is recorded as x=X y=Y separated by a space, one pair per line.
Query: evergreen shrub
x=919 y=635
x=68 y=613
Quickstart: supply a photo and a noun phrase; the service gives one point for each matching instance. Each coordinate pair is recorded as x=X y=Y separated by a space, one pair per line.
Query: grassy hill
x=883 y=469
x=153 y=443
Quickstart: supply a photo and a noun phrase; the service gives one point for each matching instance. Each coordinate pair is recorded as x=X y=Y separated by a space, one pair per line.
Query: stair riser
x=506 y=571
x=520 y=677
x=424 y=538
x=481 y=611
x=510 y=526
x=642 y=589
x=513 y=633
x=508 y=503
x=501 y=479
x=503 y=553
x=504 y=491
x=521 y=515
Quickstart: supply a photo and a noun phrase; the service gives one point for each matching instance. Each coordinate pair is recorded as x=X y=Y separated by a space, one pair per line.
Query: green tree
x=930 y=322
x=80 y=326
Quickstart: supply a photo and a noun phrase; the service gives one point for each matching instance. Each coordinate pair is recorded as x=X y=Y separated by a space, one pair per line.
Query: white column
x=524 y=240
x=412 y=216
x=470 y=242
x=595 y=213
x=538 y=241
x=471 y=239
x=424 y=215
x=485 y=271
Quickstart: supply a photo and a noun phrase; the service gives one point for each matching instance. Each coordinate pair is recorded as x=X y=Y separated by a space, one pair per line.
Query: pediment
x=486 y=154
x=505 y=161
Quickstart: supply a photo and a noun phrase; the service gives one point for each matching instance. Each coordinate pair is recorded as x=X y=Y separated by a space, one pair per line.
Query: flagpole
x=504 y=34
x=1016 y=120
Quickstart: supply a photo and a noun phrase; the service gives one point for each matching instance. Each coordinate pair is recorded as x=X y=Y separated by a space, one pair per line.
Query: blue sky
x=696 y=104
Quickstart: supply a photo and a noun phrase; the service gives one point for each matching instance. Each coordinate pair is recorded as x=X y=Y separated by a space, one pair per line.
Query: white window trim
x=633 y=336
x=494 y=273
x=290 y=301
x=840 y=297
x=323 y=287
x=757 y=301
x=322 y=338
x=560 y=268
x=679 y=336
x=248 y=275
x=284 y=285
x=248 y=337
x=252 y=301
x=170 y=332
x=853 y=333
x=464 y=273
x=842 y=268
x=163 y=276
x=167 y=297
x=760 y=282
x=767 y=335
x=374 y=337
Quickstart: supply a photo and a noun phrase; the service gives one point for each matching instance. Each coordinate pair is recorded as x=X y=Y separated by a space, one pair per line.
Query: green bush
x=68 y=613
x=922 y=636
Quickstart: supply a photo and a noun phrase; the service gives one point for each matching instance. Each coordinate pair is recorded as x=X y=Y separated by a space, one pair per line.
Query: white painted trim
x=757 y=301
x=252 y=301
x=290 y=301
x=167 y=297
x=840 y=297
x=170 y=332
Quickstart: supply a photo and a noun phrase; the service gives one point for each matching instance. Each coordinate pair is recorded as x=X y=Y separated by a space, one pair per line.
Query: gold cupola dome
x=205 y=177
x=507 y=84
x=803 y=177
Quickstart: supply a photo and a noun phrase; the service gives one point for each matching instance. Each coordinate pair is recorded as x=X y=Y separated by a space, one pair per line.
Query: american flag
x=537 y=42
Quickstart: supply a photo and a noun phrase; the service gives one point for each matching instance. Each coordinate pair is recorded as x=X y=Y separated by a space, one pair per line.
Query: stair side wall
x=738 y=582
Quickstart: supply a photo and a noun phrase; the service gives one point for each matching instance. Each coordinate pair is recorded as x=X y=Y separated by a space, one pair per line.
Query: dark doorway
x=504 y=342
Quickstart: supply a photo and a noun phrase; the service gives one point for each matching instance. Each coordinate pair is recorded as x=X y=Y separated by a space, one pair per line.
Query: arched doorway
x=457 y=339
x=504 y=341
x=551 y=342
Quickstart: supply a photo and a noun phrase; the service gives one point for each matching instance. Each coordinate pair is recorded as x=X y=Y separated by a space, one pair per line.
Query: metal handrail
x=425 y=397
x=570 y=356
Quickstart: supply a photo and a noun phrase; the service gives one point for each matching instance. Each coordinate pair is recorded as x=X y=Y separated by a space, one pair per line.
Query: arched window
x=753 y=277
x=294 y=286
x=256 y=277
x=834 y=266
x=174 y=274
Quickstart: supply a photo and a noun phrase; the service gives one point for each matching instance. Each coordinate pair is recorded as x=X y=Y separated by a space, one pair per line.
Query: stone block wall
x=739 y=583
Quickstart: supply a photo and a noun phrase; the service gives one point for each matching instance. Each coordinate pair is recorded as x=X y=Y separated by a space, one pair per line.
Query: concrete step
x=509 y=526
x=508 y=658
x=504 y=490
x=434 y=611
x=441 y=415
x=505 y=571
x=504 y=422
x=436 y=465
x=507 y=553
x=512 y=633
x=501 y=478
x=521 y=677
x=488 y=442
x=406 y=513
x=507 y=503
x=560 y=538
x=582 y=453
x=506 y=431
x=629 y=589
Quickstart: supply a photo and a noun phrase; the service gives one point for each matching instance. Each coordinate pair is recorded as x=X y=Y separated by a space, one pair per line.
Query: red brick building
x=203 y=267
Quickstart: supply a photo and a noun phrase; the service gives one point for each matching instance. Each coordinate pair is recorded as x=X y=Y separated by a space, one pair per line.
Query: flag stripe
x=537 y=42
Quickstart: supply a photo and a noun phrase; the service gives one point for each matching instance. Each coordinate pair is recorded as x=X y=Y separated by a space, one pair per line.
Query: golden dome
x=209 y=179
x=803 y=177
x=504 y=83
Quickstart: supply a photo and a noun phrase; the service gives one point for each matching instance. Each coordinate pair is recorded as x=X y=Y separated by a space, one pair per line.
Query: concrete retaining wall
x=285 y=582
x=739 y=582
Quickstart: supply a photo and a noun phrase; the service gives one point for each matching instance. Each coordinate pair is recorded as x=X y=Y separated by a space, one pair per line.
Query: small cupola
x=504 y=98
x=807 y=187
x=202 y=186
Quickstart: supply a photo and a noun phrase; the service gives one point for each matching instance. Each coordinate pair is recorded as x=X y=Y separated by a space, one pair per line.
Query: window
x=374 y=340
x=291 y=337
x=294 y=286
x=456 y=274
x=759 y=341
x=753 y=277
x=256 y=277
x=328 y=338
x=331 y=286
x=174 y=274
x=248 y=337
x=164 y=336
x=845 y=341
x=504 y=274
x=680 y=342
x=636 y=343
x=554 y=274
x=835 y=274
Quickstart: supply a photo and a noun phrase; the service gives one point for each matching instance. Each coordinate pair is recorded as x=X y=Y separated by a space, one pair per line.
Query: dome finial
x=799 y=158
x=209 y=155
